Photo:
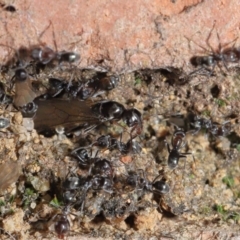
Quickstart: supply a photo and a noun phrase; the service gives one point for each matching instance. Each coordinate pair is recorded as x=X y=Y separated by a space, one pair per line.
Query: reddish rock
x=127 y=34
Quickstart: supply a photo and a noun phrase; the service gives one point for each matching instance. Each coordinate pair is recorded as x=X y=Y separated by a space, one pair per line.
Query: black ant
x=56 y=87
x=108 y=110
x=24 y=90
x=70 y=186
x=198 y=123
x=110 y=143
x=44 y=55
x=178 y=142
x=133 y=119
x=83 y=157
x=131 y=146
x=106 y=142
x=82 y=91
x=96 y=86
x=98 y=183
x=100 y=177
x=224 y=55
x=220 y=130
x=140 y=182
x=111 y=110
x=216 y=129
x=69 y=57
x=102 y=167
x=61 y=223
x=29 y=109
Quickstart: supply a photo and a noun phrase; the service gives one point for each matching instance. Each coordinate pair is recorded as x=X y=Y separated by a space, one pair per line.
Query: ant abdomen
x=62 y=226
x=161 y=187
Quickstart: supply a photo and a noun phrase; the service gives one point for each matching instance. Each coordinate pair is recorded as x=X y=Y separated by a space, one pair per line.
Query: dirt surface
x=204 y=197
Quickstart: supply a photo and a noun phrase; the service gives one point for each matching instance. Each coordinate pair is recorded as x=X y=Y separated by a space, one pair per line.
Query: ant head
x=82 y=155
x=21 y=74
x=102 y=183
x=29 y=109
x=132 y=117
x=103 y=168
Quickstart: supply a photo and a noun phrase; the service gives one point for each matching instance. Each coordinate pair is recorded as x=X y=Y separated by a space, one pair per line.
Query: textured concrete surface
x=125 y=34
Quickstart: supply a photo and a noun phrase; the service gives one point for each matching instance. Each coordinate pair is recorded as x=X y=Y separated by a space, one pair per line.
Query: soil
x=203 y=201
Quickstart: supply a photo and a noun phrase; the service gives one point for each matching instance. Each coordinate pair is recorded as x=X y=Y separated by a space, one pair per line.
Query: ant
x=129 y=147
x=198 y=123
x=69 y=57
x=68 y=190
x=98 y=183
x=70 y=185
x=222 y=54
x=24 y=90
x=220 y=130
x=102 y=167
x=41 y=55
x=96 y=86
x=44 y=55
x=111 y=110
x=81 y=154
x=216 y=129
x=82 y=91
x=29 y=109
x=56 y=88
x=61 y=223
x=100 y=179
x=178 y=142
x=107 y=142
x=140 y=182
x=108 y=110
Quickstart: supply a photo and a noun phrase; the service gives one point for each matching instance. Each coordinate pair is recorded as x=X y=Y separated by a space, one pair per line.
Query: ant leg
x=200 y=69
x=54 y=37
x=76 y=149
x=43 y=32
x=138 y=131
x=212 y=71
x=205 y=49
x=157 y=177
x=220 y=46
x=142 y=172
x=209 y=36
x=168 y=147
x=219 y=43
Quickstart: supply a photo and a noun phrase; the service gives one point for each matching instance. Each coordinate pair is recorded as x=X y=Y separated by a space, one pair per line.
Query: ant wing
x=69 y=114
